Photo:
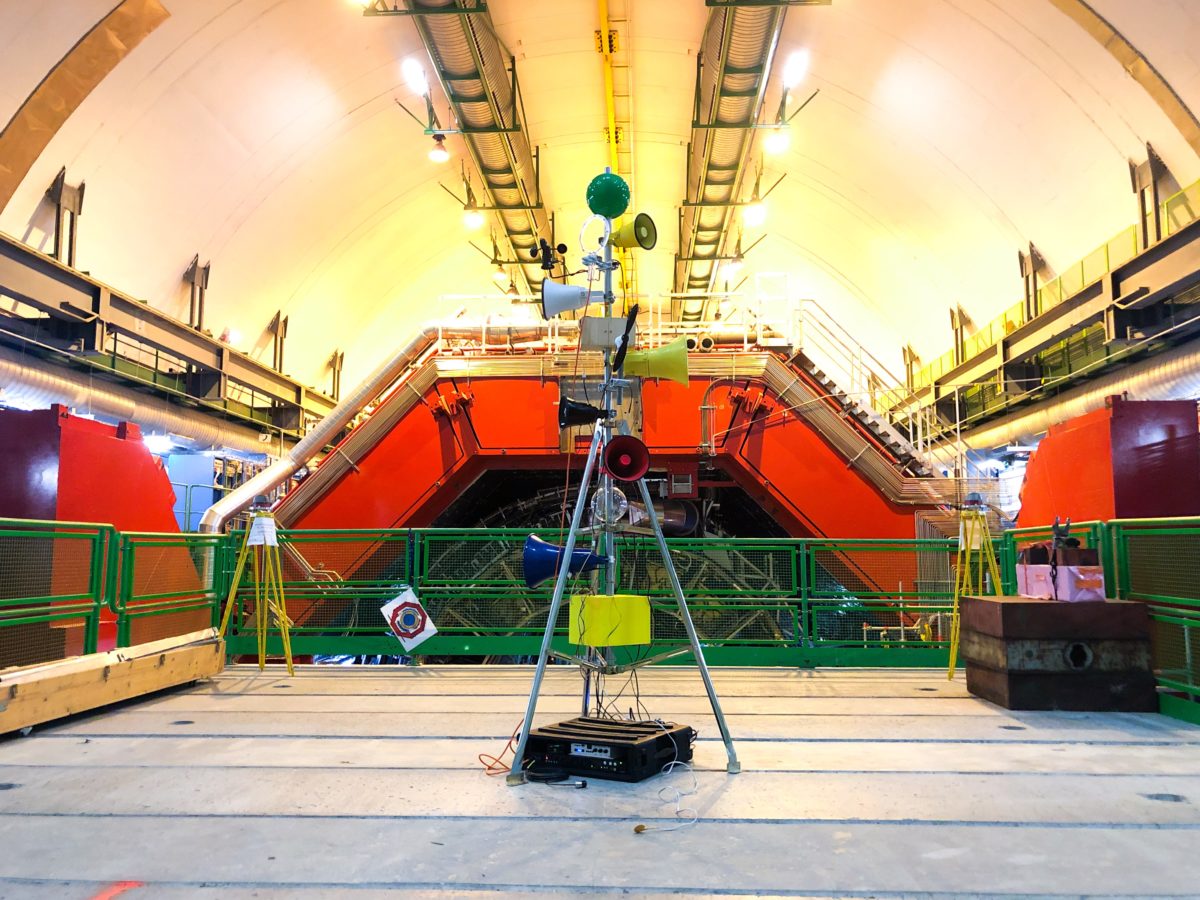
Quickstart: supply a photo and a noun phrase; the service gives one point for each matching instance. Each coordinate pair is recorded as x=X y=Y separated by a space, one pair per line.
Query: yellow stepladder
x=976 y=555
x=261 y=547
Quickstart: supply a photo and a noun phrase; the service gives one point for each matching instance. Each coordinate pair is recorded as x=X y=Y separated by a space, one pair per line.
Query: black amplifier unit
x=607 y=748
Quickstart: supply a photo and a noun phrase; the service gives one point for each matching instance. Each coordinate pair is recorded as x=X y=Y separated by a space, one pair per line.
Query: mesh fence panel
x=1163 y=566
x=169 y=585
x=882 y=569
x=709 y=568
x=335 y=582
x=1175 y=639
x=875 y=623
x=50 y=594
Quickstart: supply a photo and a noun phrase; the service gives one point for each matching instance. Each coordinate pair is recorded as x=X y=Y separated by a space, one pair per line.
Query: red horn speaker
x=626 y=458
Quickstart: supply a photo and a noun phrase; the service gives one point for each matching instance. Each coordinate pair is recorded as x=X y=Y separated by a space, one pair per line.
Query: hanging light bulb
x=414 y=76
x=472 y=219
x=438 y=153
x=754 y=213
x=512 y=289
x=500 y=276
x=778 y=139
x=733 y=265
x=795 y=68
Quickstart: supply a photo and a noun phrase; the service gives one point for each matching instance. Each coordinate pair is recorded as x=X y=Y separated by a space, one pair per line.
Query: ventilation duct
x=731 y=80
x=32 y=381
x=472 y=67
x=1174 y=375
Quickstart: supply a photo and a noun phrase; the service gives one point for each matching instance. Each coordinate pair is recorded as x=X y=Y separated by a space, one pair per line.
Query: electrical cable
x=684 y=815
x=495 y=765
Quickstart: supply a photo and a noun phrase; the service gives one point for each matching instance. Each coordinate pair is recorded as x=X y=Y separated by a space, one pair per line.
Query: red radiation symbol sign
x=408 y=620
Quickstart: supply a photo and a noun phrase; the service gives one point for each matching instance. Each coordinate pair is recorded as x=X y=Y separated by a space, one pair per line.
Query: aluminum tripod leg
x=733 y=765
x=517 y=776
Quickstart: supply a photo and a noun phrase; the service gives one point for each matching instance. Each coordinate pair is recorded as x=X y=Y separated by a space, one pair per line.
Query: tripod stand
x=595 y=663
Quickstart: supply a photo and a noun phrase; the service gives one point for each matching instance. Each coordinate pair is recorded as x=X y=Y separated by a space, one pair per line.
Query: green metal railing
x=169 y=584
x=69 y=588
x=1176 y=211
x=753 y=601
x=53 y=585
x=1157 y=562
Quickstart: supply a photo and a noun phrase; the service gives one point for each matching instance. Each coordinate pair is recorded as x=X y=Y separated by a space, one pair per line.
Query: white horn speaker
x=560 y=298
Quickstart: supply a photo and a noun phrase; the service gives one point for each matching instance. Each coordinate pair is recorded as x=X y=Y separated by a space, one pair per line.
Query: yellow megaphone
x=640 y=232
x=669 y=361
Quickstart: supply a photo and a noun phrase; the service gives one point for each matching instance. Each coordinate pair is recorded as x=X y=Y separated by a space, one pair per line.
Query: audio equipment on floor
x=615 y=749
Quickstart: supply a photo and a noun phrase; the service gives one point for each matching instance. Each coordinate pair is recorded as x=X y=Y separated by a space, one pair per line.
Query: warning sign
x=407 y=620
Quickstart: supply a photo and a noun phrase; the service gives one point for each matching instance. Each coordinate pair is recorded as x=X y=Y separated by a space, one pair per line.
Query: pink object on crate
x=1075 y=583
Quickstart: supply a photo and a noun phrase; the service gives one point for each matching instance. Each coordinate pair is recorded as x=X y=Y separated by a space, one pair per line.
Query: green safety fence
x=53 y=584
x=1157 y=562
x=753 y=601
x=169 y=584
x=69 y=588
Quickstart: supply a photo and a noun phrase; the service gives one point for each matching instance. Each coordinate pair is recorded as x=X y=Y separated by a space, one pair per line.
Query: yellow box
x=598 y=620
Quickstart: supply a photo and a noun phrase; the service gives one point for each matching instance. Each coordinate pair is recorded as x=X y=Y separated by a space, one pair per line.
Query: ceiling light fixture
x=500 y=276
x=414 y=76
x=473 y=217
x=796 y=68
x=438 y=152
x=512 y=289
x=754 y=213
x=778 y=139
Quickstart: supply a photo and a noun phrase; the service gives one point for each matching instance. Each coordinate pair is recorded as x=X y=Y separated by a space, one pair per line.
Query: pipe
x=1174 y=375
x=340 y=416
x=34 y=380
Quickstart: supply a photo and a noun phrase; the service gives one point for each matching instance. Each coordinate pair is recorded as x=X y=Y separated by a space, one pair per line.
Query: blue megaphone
x=542 y=561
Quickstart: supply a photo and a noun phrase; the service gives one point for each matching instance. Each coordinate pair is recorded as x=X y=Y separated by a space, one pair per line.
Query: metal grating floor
x=862 y=783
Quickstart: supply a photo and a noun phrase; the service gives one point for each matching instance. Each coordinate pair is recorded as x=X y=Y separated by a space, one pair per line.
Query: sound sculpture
x=601 y=618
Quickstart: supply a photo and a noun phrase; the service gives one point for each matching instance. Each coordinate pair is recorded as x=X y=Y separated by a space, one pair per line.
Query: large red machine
x=55 y=465
x=1132 y=459
x=461 y=428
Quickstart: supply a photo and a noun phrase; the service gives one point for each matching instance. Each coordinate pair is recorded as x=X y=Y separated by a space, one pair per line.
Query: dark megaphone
x=542 y=561
x=572 y=413
x=626 y=458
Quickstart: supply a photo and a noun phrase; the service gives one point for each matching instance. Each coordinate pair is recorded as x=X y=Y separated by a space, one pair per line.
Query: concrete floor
x=861 y=783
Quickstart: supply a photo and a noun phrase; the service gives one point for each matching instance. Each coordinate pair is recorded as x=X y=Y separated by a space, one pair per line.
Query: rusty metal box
x=1024 y=653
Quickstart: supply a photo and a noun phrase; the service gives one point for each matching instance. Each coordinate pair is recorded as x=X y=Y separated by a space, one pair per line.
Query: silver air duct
x=1174 y=375
x=33 y=381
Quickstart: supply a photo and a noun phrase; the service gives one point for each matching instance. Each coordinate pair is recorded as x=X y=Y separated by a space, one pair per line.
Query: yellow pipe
x=610 y=105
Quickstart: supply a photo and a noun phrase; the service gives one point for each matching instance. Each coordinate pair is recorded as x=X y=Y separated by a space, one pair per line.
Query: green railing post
x=126 y=591
x=91 y=627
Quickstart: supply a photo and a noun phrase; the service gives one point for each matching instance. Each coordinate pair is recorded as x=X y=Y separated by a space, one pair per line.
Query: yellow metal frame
x=269 y=602
x=975 y=552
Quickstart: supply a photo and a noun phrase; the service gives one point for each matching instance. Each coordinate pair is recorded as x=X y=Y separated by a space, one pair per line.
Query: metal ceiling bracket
x=378 y=8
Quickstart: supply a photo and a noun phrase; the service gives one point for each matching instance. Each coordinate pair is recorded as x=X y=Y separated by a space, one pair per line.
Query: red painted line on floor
x=117 y=888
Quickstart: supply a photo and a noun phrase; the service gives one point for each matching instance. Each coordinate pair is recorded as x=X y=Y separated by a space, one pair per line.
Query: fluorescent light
x=795 y=68
x=414 y=76
x=778 y=139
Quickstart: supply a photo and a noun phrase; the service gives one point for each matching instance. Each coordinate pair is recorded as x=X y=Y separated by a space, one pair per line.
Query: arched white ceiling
x=264 y=135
